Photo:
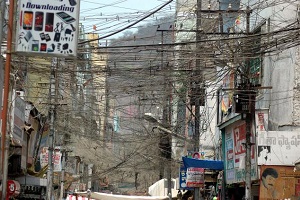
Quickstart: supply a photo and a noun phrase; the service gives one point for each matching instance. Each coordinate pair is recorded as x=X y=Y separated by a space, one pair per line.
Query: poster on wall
x=278 y=182
x=261 y=119
x=48 y=27
x=277 y=147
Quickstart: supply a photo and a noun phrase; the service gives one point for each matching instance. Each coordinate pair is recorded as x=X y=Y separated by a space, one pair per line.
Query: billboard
x=235 y=154
x=279 y=182
x=47 y=27
x=277 y=147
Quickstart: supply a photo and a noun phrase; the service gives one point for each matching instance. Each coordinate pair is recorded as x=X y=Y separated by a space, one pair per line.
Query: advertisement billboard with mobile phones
x=48 y=27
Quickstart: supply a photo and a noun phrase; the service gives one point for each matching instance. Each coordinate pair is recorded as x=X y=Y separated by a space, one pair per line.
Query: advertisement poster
x=261 y=120
x=235 y=154
x=239 y=134
x=182 y=179
x=48 y=27
x=195 y=177
x=278 y=182
x=56 y=158
x=277 y=147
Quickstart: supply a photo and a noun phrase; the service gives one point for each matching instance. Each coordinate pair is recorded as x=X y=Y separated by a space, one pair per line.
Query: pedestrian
x=179 y=195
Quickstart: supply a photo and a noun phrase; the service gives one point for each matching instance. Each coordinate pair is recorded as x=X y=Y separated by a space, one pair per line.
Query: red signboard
x=13 y=188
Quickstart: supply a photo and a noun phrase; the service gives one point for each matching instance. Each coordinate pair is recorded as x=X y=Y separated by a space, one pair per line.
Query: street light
x=149 y=117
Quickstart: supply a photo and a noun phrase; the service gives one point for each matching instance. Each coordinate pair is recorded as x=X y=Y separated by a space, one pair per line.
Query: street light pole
x=168 y=138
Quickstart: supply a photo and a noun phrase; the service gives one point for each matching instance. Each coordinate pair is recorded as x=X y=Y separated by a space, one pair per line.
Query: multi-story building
x=270 y=53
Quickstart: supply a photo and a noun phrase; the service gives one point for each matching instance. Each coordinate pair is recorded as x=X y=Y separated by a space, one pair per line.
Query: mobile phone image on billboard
x=65 y=17
x=27 y=20
x=38 y=21
x=35 y=45
x=43 y=47
x=49 y=22
x=72 y=2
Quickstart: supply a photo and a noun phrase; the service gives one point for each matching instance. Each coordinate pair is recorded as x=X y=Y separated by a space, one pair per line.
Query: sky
x=105 y=17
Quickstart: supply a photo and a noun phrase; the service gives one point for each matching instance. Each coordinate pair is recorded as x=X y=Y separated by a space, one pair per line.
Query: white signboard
x=195 y=177
x=277 y=147
x=56 y=159
x=48 y=27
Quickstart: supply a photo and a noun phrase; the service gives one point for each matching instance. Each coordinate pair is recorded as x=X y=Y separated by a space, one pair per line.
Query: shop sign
x=195 y=177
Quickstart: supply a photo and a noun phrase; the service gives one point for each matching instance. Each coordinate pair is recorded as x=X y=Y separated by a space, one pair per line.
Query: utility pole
x=166 y=138
x=4 y=139
x=197 y=82
x=52 y=131
x=249 y=116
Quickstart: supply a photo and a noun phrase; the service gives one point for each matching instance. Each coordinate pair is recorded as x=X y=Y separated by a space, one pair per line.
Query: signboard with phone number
x=48 y=27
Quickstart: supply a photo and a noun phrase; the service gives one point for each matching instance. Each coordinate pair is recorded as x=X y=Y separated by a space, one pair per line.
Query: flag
x=223 y=106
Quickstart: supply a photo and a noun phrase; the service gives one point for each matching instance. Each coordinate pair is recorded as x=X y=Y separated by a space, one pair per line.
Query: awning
x=207 y=164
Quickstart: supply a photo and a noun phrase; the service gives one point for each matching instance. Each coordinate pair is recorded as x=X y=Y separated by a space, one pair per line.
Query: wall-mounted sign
x=48 y=27
x=235 y=138
x=277 y=147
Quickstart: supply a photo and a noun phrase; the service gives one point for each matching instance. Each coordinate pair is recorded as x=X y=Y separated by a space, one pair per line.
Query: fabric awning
x=207 y=164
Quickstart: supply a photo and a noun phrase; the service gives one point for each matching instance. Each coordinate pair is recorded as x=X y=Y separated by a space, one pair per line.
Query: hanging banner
x=48 y=27
x=195 y=177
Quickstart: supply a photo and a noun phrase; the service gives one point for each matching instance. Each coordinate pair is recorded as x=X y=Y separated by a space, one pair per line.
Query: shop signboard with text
x=48 y=27
x=195 y=177
x=277 y=147
x=235 y=151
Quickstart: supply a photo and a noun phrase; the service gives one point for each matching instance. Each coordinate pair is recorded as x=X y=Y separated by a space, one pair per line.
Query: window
x=256 y=61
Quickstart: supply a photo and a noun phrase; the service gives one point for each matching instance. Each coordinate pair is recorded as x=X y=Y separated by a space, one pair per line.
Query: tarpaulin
x=207 y=164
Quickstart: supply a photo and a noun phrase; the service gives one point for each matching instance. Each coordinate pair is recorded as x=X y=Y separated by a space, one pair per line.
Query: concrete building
x=274 y=65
